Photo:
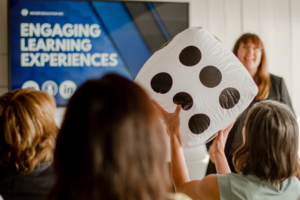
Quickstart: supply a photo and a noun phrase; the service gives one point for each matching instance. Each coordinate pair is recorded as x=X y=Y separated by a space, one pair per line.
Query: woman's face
x=250 y=55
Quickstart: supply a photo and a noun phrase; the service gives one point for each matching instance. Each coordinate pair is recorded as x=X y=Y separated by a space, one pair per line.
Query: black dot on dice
x=210 y=76
x=190 y=56
x=161 y=83
x=199 y=123
x=229 y=97
x=183 y=99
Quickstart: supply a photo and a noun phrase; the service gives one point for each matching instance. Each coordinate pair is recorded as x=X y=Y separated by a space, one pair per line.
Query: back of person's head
x=27 y=129
x=270 y=143
x=110 y=145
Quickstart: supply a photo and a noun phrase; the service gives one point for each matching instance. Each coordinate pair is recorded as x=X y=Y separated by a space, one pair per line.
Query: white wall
x=277 y=22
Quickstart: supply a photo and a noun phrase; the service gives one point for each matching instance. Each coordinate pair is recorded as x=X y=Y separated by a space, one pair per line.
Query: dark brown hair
x=111 y=145
x=27 y=129
x=271 y=143
x=262 y=77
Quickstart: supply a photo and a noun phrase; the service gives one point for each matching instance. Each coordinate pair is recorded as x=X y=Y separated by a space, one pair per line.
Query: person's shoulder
x=291 y=186
x=295 y=181
x=43 y=171
x=235 y=177
x=228 y=175
x=178 y=196
x=6 y=173
x=275 y=78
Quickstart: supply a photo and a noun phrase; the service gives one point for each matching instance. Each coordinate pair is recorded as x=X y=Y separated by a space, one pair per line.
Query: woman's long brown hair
x=111 y=145
x=271 y=143
x=262 y=77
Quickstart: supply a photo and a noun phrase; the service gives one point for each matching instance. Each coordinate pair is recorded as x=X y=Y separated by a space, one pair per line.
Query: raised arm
x=217 y=149
x=206 y=188
x=179 y=170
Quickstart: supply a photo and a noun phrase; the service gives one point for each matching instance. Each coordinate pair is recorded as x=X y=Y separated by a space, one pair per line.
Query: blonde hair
x=262 y=77
x=27 y=129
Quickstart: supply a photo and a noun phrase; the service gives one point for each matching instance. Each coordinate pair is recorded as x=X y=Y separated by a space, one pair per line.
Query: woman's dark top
x=33 y=186
x=278 y=92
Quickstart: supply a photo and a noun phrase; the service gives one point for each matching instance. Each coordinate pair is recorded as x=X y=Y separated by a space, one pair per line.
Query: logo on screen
x=31 y=84
x=50 y=87
x=67 y=88
x=24 y=12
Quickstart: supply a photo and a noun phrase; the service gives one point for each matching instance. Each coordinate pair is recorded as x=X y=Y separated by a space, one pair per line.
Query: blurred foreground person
x=111 y=145
x=267 y=163
x=27 y=139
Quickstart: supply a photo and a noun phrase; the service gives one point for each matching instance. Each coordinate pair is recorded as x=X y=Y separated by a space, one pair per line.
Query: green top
x=178 y=196
x=238 y=186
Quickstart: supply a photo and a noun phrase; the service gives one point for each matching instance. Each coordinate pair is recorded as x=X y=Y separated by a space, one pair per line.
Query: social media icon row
x=65 y=89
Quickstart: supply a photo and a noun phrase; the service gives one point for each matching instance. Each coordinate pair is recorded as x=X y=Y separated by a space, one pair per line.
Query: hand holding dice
x=218 y=146
x=171 y=120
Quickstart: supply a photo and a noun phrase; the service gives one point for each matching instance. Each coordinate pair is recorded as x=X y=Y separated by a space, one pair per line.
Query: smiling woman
x=250 y=55
x=249 y=49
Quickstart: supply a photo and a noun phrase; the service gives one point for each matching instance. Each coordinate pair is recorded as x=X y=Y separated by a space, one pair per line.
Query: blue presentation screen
x=55 y=46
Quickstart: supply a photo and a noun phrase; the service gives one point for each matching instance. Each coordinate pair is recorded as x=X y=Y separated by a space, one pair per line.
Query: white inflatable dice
x=197 y=71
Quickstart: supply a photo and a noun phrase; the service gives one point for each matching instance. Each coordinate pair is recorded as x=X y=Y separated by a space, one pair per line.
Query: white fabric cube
x=199 y=72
